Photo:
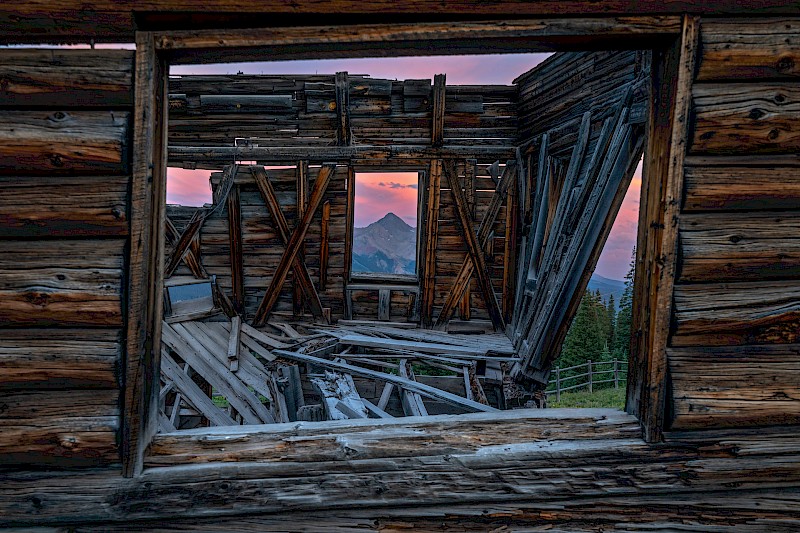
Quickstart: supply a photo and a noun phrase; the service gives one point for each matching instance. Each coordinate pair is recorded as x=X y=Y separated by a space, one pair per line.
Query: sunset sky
x=378 y=193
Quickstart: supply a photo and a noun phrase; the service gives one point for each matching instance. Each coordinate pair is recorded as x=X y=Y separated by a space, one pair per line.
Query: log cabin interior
x=283 y=396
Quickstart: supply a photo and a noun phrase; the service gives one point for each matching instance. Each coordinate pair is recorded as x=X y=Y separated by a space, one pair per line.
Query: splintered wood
x=230 y=373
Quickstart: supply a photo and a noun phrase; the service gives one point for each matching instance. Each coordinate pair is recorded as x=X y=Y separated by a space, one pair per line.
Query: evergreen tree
x=587 y=336
x=623 y=330
x=611 y=319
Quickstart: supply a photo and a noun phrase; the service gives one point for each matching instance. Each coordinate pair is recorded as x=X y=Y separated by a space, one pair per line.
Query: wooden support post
x=431 y=238
x=465 y=307
x=510 y=251
x=324 y=248
x=236 y=258
x=293 y=246
x=298 y=300
x=437 y=124
x=348 y=242
x=301 y=275
x=344 y=133
x=233 y=343
x=384 y=304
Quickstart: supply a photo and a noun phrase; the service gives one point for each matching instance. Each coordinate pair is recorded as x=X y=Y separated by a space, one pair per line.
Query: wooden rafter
x=293 y=245
x=302 y=277
x=468 y=266
x=474 y=248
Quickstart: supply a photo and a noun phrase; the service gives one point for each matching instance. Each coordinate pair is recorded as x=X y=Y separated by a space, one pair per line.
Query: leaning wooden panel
x=61 y=282
x=735 y=386
x=739 y=246
x=60 y=359
x=44 y=428
x=736 y=188
x=63 y=142
x=737 y=118
x=64 y=206
x=66 y=78
x=722 y=314
x=751 y=49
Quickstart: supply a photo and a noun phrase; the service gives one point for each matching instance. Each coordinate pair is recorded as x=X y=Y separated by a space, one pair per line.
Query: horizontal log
x=741 y=188
x=64 y=206
x=739 y=246
x=764 y=312
x=216 y=104
x=751 y=49
x=61 y=283
x=66 y=78
x=735 y=386
x=59 y=428
x=63 y=142
x=179 y=154
x=60 y=359
x=737 y=118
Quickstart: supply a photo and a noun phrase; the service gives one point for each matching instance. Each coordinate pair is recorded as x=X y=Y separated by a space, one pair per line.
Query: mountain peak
x=393 y=223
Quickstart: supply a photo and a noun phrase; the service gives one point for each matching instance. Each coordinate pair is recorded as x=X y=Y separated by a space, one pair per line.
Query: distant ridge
x=607 y=287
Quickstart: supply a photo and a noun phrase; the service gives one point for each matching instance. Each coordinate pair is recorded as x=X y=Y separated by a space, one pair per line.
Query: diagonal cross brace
x=475 y=249
x=298 y=264
x=294 y=244
x=484 y=231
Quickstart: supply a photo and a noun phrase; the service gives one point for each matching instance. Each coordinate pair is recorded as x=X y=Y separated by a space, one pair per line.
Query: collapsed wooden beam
x=474 y=248
x=302 y=277
x=293 y=246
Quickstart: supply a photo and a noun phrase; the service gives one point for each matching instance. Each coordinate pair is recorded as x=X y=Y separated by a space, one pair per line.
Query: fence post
x=558 y=384
x=616 y=374
x=589 y=364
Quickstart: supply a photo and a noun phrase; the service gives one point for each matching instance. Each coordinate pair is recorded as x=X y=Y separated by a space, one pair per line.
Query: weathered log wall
x=64 y=176
x=733 y=351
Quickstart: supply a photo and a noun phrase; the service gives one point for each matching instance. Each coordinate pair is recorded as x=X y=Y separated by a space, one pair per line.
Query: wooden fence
x=609 y=371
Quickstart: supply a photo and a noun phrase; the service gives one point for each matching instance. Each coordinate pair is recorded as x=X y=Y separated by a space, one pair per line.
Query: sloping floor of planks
x=229 y=373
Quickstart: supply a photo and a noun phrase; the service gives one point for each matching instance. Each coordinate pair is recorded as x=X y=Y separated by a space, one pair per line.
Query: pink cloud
x=378 y=193
x=188 y=187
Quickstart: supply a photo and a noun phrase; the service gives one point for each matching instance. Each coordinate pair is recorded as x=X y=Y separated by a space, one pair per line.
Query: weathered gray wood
x=233 y=343
x=192 y=393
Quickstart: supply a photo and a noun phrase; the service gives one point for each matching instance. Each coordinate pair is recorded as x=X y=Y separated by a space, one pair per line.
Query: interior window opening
x=403 y=243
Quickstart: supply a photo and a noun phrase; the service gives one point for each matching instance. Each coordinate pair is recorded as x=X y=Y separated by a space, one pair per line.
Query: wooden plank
x=425 y=347
x=475 y=250
x=67 y=78
x=437 y=120
x=737 y=118
x=46 y=142
x=192 y=393
x=64 y=206
x=324 y=248
x=657 y=243
x=344 y=133
x=59 y=359
x=214 y=104
x=730 y=188
x=339 y=396
x=384 y=304
x=61 y=283
x=432 y=200
x=756 y=48
x=233 y=343
x=303 y=188
x=729 y=386
x=293 y=246
x=235 y=251
x=413 y=386
x=302 y=277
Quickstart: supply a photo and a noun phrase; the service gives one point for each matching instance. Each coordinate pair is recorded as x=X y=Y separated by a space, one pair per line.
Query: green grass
x=612 y=398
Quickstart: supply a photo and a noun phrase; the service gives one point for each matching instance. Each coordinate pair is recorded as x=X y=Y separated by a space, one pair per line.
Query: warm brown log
x=302 y=277
x=735 y=386
x=739 y=246
x=656 y=248
x=60 y=359
x=741 y=188
x=63 y=142
x=749 y=49
x=66 y=78
x=432 y=200
x=61 y=283
x=293 y=245
x=235 y=242
x=63 y=207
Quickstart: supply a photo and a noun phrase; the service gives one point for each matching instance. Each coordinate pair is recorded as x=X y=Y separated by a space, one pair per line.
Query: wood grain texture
x=60 y=359
x=63 y=142
x=66 y=78
x=754 y=118
x=728 y=188
x=760 y=48
x=61 y=283
x=63 y=206
x=735 y=386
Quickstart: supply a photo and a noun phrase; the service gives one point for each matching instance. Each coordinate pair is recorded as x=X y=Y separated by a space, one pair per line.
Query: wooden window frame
x=673 y=39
